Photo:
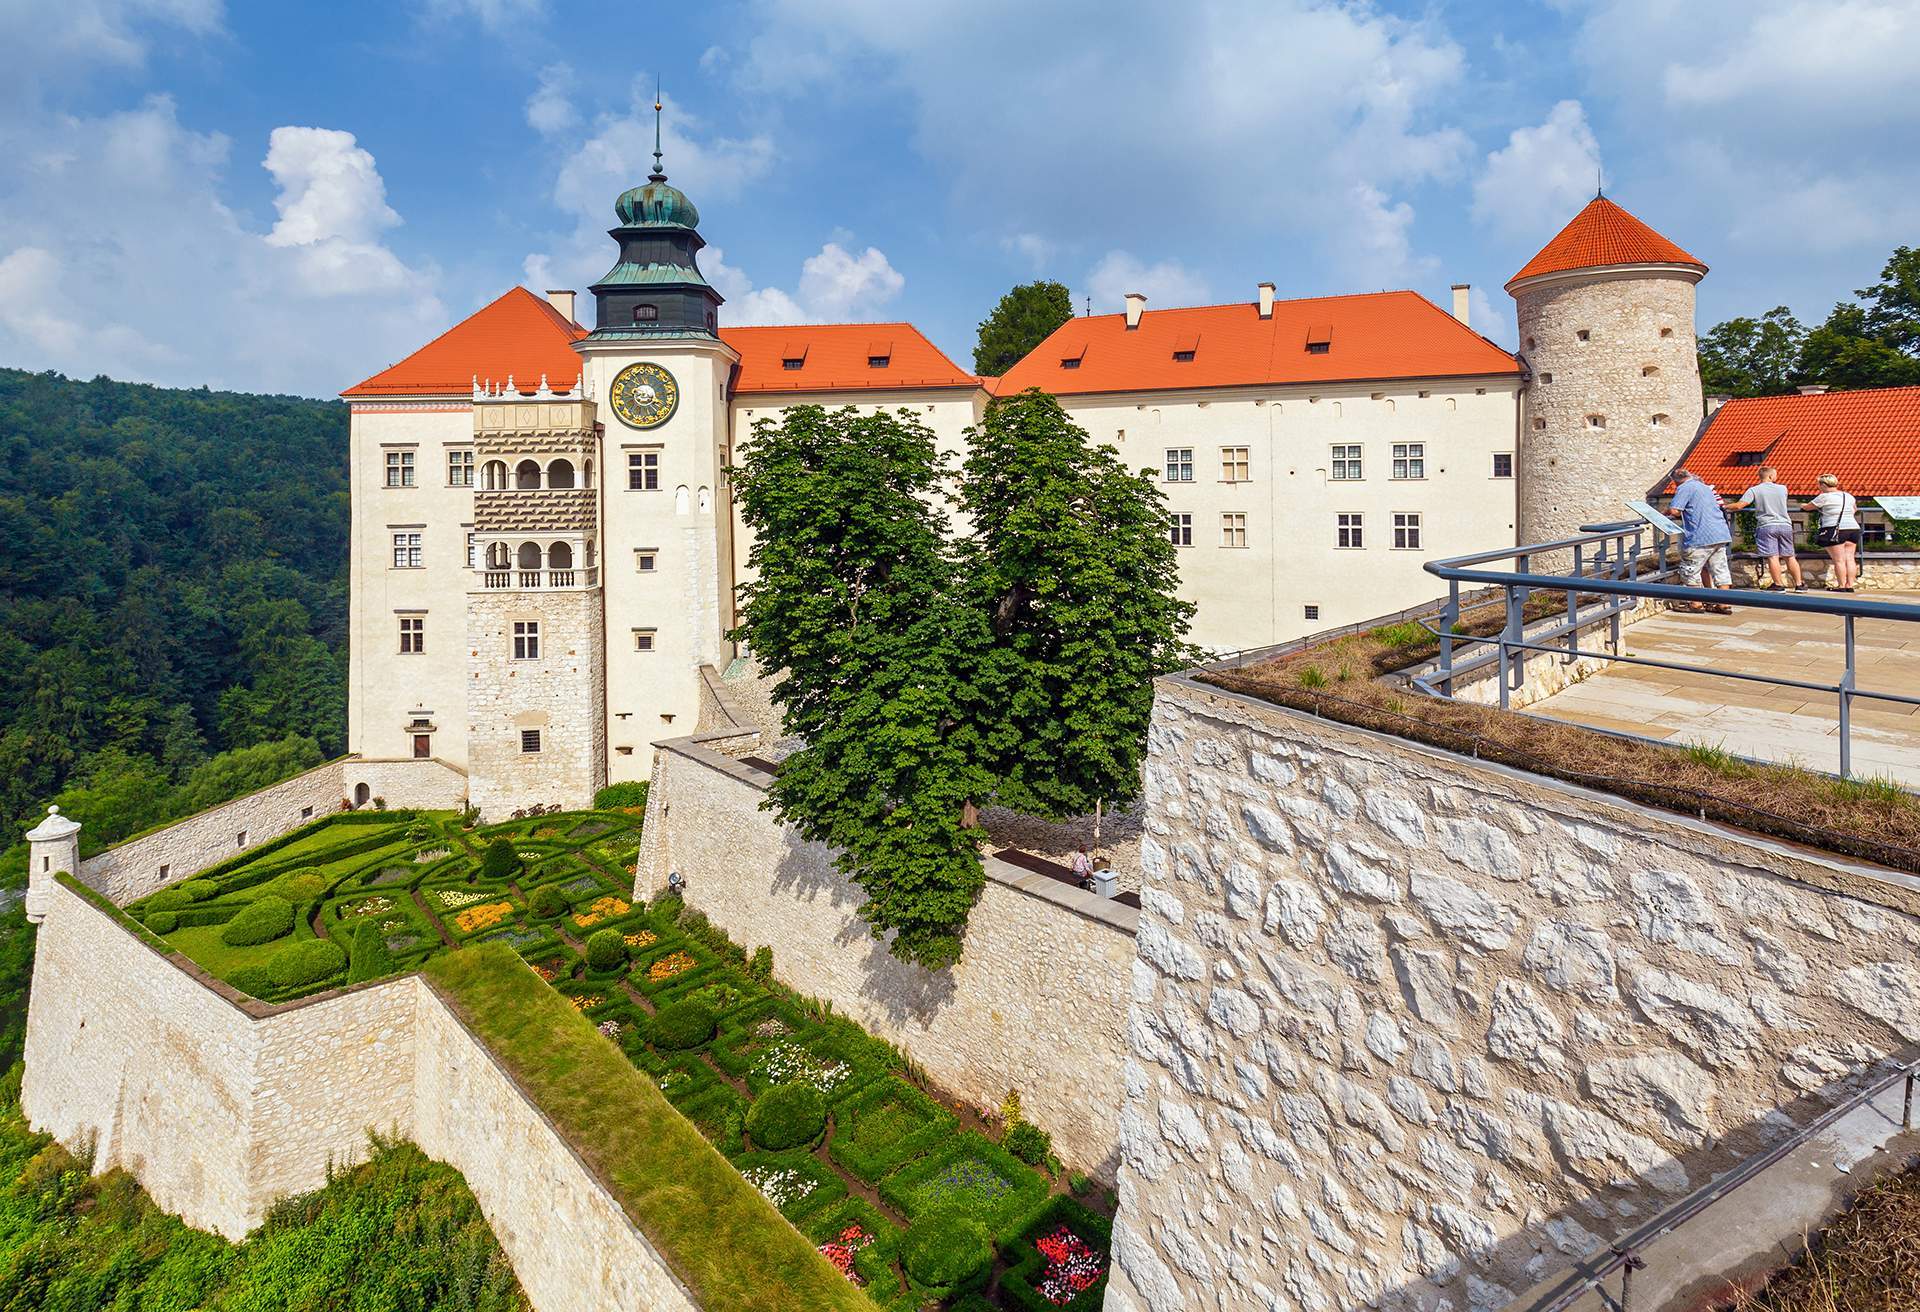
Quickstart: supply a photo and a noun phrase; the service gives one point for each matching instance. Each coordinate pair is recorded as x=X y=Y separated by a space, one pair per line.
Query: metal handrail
x=1607 y=560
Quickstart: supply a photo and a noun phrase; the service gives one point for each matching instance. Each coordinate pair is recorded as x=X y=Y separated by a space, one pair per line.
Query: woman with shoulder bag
x=1839 y=532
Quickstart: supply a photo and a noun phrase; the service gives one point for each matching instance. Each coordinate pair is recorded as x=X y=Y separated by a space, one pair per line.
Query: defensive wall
x=221 y=1105
x=1409 y=1027
x=139 y=865
x=1037 y=1002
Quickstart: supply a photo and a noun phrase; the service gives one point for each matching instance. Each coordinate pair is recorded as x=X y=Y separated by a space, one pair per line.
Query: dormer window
x=1183 y=356
x=1185 y=348
x=1070 y=362
x=879 y=354
x=1320 y=339
x=1319 y=348
x=1071 y=356
x=789 y=362
x=793 y=355
x=646 y=313
x=879 y=361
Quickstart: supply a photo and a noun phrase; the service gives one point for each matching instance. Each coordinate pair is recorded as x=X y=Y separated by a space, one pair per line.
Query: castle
x=545 y=550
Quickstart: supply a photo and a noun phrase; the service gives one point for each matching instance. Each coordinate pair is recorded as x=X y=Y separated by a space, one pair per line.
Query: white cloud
x=492 y=15
x=97 y=31
x=1535 y=183
x=836 y=286
x=1376 y=235
x=550 y=108
x=1119 y=122
x=311 y=305
x=1165 y=283
x=1032 y=247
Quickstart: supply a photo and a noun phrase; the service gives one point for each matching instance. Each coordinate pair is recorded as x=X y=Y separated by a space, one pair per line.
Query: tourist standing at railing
x=1839 y=532
x=1704 y=539
x=1773 y=530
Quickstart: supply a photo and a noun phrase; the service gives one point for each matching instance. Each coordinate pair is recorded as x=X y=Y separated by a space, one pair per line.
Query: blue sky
x=280 y=196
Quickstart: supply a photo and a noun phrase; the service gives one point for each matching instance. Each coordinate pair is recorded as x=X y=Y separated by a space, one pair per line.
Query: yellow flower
x=474 y=919
x=601 y=908
x=674 y=963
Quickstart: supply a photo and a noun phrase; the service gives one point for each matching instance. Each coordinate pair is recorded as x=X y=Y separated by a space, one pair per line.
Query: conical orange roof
x=1603 y=234
x=518 y=334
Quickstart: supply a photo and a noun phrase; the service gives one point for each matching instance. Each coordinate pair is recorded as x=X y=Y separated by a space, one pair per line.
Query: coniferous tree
x=1025 y=317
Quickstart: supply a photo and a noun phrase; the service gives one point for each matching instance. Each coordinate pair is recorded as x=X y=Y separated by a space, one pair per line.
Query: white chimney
x=1813 y=389
x=1715 y=402
x=1136 y=306
x=563 y=302
x=1461 y=292
x=1266 y=300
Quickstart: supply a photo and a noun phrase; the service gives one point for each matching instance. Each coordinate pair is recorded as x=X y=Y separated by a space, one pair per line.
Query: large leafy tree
x=1752 y=357
x=1071 y=567
x=1025 y=317
x=854 y=607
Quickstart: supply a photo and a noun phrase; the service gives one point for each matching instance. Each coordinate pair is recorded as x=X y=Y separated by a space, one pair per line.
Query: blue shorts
x=1774 y=540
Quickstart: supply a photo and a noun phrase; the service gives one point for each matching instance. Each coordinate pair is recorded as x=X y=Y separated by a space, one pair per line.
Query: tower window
x=643 y=639
x=1546 y=377
x=529 y=740
x=643 y=471
x=646 y=313
x=1649 y=371
x=1310 y=612
x=1666 y=332
x=645 y=560
x=406 y=551
x=413 y=634
x=1660 y=421
x=1584 y=335
x=526 y=641
x=1596 y=421
x=1503 y=462
x=1531 y=344
x=1539 y=424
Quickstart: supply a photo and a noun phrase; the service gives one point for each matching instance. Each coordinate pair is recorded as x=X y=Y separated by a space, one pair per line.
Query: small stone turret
x=53 y=846
x=1613 y=398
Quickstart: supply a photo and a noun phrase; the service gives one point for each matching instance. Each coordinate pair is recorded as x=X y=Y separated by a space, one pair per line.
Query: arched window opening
x=498 y=557
x=526 y=476
x=1596 y=421
x=682 y=500
x=559 y=556
x=560 y=473
x=1661 y=421
x=529 y=555
x=586 y=475
x=1649 y=371
x=493 y=475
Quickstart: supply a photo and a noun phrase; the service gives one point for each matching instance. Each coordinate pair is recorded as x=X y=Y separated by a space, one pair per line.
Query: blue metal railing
x=1610 y=562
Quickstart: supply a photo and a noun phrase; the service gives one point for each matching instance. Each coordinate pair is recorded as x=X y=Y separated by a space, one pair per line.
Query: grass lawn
x=202 y=943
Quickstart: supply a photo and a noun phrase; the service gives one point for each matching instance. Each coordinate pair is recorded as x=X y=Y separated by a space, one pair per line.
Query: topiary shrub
x=169 y=899
x=547 y=901
x=946 y=1253
x=303 y=885
x=198 y=890
x=370 y=958
x=614 y=797
x=681 y=1025
x=163 y=922
x=256 y=980
x=306 y=962
x=786 y=1116
x=500 y=861
x=1027 y=1141
x=260 y=921
x=761 y=967
x=606 y=951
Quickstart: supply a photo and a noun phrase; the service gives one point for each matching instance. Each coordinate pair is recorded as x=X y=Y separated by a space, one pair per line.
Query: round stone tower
x=1613 y=396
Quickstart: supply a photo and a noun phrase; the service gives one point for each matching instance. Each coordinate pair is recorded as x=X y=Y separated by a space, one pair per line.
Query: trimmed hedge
x=961 y=1177
x=306 y=962
x=500 y=861
x=946 y=1253
x=260 y=921
x=679 y=1026
x=606 y=951
x=808 y=1184
x=632 y=792
x=872 y=1262
x=198 y=890
x=787 y=1116
x=254 y=980
x=301 y=884
x=370 y=958
x=163 y=922
x=548 y=902
x=1028 y=1142
x=1027 y=1265
x=884 y=1125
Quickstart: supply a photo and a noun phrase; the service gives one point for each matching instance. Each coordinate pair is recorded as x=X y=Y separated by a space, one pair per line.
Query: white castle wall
x=1410 y=1028
x=220 y=1108
x=1037 y=1002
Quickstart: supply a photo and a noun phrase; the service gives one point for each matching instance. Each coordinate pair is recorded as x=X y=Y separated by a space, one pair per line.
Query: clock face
x=644 y=395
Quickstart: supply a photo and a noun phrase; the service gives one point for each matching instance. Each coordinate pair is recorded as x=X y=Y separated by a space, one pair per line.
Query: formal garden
x=916 y=1203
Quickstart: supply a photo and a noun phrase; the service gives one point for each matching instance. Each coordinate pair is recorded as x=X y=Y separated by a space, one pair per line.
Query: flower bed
x=973 y=1176
x=481 y=917
x=606 y=907
x=886 y=1125
x=456 y=899
x=1059 y=1260
x=796 y=1182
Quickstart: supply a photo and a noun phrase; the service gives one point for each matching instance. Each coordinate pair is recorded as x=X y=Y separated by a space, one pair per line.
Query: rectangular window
x=1409 y=459
x=406 y=551
x=1310 y=612
x=526 y=640
x=1180 y=529
x=1234 y=464
x=306 y=813
x=413 y=634
x=1346 y=462
x=459 y=469
x=1233 y=529
x=645 y=560
x=240 y=839
x=472 y=552
x=529 y=740
x=1406 y=532
x=1179 y=464
x=399 y=469
x=1348 y=530
x=643 y=639
x=1503 y=464
x=643 y=471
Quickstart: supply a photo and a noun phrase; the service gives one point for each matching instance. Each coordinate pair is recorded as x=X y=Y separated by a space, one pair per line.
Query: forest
x=173 y=602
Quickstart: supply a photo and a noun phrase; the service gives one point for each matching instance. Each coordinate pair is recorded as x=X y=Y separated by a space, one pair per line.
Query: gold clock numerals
x=644 y=395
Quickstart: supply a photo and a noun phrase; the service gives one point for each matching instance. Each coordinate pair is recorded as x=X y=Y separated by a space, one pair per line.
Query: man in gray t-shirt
x=1773 y=534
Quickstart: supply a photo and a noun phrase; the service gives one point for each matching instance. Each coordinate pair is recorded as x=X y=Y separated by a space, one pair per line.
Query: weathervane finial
x=659 y=173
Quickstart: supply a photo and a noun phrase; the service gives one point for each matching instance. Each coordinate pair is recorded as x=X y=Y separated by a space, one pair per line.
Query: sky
x=286 y=197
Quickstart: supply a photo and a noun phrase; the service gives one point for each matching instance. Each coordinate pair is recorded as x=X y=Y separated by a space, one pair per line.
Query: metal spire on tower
x=659 y=174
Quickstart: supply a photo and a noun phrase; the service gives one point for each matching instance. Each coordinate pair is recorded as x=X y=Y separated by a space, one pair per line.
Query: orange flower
x=474 y=919
x=601 y=908
x=674 y=963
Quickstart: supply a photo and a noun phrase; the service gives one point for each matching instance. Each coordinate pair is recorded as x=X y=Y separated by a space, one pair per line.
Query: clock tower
x=656 y=357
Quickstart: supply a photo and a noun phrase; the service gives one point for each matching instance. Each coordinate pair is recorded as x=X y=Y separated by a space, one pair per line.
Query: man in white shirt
x=1773 y=531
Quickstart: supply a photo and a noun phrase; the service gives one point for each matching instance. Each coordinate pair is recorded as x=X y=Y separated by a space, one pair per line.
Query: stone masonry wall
x=140 y=865
x=430 y=785
x=561 y=694
x=1037 y=1002
x=1409 y=1030
x=1880 y=571
x=219 y=1109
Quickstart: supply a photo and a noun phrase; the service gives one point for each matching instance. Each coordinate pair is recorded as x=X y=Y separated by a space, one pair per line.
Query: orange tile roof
x=1869 y=439
x=519 y=334
x=836 y=357
x=1600 y=235
x=1377 y=335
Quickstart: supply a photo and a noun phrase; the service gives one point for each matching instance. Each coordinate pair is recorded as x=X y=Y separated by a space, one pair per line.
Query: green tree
x=369 y=957
x=1026 y=316
x=119 y=794
x=1071 y=568
x=1752 y=357
x=244 y=770
x=854 y=611
x=1893 y=303
x=1844 y=353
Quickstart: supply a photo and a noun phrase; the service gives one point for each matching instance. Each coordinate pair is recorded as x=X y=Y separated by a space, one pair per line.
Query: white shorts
x=1712 y=560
